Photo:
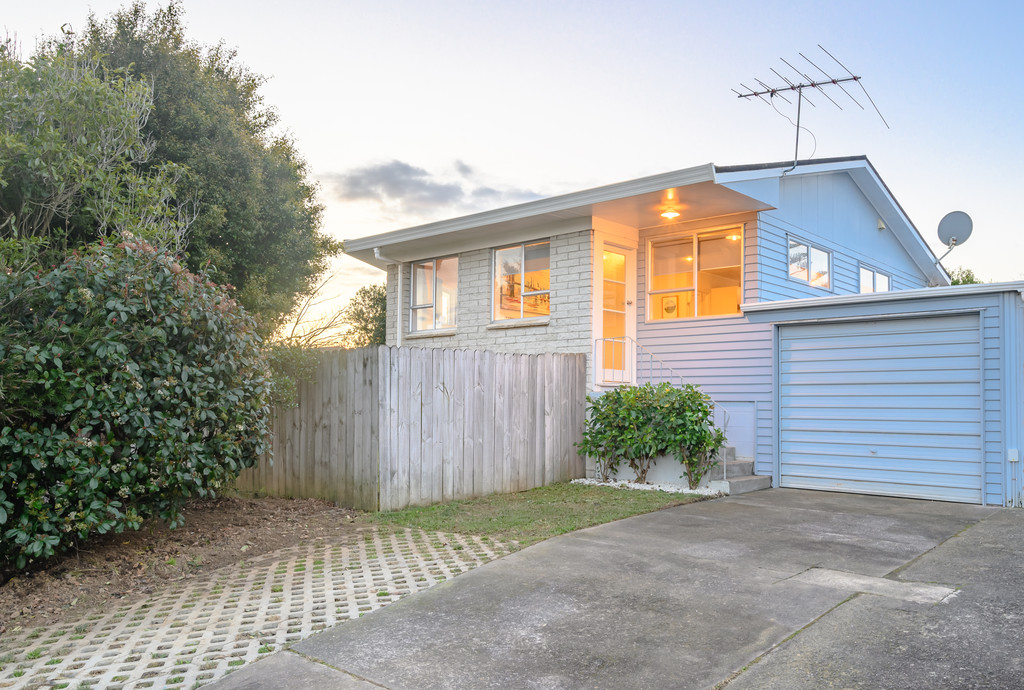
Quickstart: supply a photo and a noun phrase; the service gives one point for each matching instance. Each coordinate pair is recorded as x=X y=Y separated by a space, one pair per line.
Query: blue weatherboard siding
x=829 y=211
x=732 y=357
x=729 y=357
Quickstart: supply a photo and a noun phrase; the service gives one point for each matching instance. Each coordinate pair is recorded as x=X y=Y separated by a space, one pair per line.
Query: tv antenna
x=804 y=81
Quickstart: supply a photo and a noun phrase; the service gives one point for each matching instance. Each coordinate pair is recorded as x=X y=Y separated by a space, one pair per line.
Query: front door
x=618 y=315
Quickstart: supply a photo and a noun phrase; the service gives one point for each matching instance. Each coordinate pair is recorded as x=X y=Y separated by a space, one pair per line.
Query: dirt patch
x=116 y=567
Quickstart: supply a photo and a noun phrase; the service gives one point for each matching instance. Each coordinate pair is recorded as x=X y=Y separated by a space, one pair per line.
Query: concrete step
x=734 y=468
x=744 y=485
x=727 y=453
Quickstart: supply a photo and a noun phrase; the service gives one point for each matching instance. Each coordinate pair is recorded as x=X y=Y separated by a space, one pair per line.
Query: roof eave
x=545 y=210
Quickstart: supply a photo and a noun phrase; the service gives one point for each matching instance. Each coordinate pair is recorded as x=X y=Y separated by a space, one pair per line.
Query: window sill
x=518 y=323
x=441 y=333
x=691 y=319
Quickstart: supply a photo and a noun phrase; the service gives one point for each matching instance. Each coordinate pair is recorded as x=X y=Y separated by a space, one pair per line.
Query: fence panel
x=383 y=428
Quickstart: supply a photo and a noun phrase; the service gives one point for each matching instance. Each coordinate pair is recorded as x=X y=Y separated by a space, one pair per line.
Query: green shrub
x=636 y=424
x=127 y=385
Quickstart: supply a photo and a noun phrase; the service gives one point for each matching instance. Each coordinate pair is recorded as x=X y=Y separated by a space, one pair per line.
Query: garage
x=889 y=406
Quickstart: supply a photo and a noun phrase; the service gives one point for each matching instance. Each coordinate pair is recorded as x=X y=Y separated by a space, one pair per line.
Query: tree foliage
x=258 y=219
x=963 y=276
x=366 y=316
x=71 y=155
x=128 y=385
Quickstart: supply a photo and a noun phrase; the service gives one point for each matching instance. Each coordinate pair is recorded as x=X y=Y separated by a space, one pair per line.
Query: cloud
x=405 y=189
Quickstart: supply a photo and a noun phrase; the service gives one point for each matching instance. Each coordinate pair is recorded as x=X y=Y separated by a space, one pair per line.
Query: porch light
x=732 y=237
x=670 y=214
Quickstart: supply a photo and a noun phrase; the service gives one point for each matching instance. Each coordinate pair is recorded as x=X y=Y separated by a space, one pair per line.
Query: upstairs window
x=810 y=264
x=522 y=281
x=873 y=281
x=698 y=275
x=434 y=294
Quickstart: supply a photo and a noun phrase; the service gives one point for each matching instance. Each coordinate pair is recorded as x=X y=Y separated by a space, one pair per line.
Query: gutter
x=891 y=296
x=398 y=315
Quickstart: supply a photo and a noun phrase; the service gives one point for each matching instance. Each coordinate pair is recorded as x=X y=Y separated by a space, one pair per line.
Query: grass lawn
x=535 y=515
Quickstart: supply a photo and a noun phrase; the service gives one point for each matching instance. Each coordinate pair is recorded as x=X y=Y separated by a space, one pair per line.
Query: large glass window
x=698 y=275
x=522 y=281
x=434 y=294
x=873 y=281
x=810 y=264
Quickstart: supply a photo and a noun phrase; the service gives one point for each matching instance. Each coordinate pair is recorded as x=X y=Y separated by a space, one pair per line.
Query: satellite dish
x=955 y=228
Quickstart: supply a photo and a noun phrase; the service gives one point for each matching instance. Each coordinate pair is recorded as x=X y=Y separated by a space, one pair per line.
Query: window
x=522 y=281
x=434 y=294
x=698 y=275
x=810 y=264
x=873 y=281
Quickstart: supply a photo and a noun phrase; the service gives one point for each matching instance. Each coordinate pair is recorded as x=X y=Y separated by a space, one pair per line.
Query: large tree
x=258 y=220
x=72 y=159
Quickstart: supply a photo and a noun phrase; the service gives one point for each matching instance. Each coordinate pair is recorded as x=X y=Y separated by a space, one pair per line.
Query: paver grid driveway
x=205 y=628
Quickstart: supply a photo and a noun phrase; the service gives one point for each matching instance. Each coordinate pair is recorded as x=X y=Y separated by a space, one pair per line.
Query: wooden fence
x=384 y=428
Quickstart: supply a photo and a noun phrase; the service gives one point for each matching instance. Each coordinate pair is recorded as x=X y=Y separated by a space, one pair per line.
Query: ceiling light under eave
x=670 y=214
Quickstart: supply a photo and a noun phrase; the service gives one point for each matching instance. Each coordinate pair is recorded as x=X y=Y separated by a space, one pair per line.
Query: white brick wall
x=568 y=329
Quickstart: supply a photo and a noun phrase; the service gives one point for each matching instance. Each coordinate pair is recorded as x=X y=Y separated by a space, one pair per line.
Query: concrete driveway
x=774 y=589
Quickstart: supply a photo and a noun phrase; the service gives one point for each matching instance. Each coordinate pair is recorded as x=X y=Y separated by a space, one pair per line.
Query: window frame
x=434 y=293
x=875 y=273
x=522 y=281
x=693 y=236
x=793 y=239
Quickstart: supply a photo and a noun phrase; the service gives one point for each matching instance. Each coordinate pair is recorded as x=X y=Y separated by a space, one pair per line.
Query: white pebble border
x=668 y=488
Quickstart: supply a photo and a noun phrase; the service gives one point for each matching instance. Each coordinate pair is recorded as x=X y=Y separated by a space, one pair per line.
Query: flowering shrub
x=127 y=385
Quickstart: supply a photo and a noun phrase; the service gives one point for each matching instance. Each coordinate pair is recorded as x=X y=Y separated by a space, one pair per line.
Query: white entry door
x=617 y=315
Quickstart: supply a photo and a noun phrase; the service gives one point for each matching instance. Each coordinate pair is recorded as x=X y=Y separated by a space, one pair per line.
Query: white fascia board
x=891 y=296
x=577 y=202
x=805 y=168
x=876 y=191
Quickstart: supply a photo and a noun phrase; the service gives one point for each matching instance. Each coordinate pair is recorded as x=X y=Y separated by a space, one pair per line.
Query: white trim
x=522 y=274
x=439 y=333
x=791 y=238
x=891 y=296
x=518 y=323
x=692 y=234
x=550 y=205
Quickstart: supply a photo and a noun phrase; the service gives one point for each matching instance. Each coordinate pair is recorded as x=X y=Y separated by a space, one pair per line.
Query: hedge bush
x=127 y=385
x=636 y=424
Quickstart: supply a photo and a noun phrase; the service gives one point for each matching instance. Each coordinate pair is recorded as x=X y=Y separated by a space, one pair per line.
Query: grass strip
x=531 y=516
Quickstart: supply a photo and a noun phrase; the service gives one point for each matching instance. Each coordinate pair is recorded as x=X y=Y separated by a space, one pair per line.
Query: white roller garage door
x=889 y=407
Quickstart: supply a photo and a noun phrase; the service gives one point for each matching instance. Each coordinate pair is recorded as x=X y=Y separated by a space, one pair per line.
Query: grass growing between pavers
x=531 y=516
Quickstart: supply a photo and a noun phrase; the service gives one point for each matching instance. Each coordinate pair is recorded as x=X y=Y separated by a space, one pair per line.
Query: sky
x=410 y=111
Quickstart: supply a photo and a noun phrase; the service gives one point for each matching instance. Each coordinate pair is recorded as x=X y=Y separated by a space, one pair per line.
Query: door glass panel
x=614 y=313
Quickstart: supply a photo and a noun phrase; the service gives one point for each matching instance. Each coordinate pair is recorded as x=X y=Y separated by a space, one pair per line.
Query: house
x=801 y=298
